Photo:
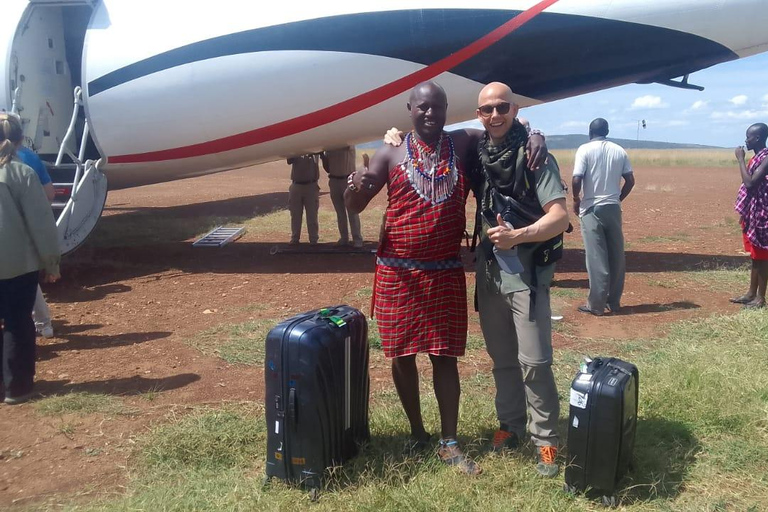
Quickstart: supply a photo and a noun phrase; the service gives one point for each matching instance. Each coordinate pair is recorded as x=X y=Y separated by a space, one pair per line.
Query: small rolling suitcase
x=316 y=373
x=601 y=426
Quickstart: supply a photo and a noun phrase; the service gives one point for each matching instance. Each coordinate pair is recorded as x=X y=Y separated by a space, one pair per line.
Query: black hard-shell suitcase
x=601 y=426
x=316 y=373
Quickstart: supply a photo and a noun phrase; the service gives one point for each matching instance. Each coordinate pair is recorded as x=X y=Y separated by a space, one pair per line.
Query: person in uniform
x=304 y=196
x=339 y=164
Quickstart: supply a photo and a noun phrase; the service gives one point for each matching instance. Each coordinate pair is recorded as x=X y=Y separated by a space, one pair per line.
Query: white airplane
x=168 y=89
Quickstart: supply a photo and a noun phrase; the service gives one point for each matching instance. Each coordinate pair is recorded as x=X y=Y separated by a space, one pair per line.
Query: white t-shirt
x=601 y=164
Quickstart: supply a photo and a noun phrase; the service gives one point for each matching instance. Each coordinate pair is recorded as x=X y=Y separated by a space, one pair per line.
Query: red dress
x=420 y=296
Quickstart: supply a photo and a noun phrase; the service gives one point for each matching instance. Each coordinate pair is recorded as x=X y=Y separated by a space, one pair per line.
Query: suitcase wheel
x=314 y=494
x=610 y=501
x=264 y=481
x=570 y=489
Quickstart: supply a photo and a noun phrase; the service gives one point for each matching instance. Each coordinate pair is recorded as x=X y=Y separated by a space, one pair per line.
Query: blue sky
x=735 y=96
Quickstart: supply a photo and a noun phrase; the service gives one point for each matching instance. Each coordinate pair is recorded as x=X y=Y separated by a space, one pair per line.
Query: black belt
x=305 y=182
x=338 y=177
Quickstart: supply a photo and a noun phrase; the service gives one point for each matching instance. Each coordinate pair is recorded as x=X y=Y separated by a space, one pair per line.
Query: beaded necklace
x=432 y=172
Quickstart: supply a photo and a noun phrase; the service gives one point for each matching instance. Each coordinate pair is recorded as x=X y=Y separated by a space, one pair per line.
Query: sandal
x=744 y=299
x=450 y=453
x=760 y=304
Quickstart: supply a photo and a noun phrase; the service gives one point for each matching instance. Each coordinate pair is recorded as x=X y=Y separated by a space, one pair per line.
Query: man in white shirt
x=598 y=170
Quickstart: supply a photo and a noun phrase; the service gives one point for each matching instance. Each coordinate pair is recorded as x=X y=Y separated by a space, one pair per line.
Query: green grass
x=79 y=403
x=702 y=442
x=374 y=339
x=665 y=158
x=566 y=293
x=679 y=237
x=241 y=343
x=720 y=277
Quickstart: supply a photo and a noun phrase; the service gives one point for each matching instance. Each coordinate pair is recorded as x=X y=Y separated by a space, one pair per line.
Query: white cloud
x=648 y=101
x=574 y=124
x=741 y=99
x=699 y=104
x=765 y=98
x=740 y=115
x=675 y=122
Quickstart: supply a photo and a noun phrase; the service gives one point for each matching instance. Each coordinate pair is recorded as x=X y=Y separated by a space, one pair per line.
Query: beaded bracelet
x=350 y=183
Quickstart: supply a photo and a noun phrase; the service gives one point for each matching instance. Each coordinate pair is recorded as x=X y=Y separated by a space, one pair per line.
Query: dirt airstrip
x=132 y=295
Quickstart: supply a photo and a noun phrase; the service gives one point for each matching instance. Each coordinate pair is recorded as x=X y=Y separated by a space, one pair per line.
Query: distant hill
x=573 y=141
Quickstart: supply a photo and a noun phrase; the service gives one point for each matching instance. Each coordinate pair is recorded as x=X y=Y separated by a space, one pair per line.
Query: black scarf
x=500 y=161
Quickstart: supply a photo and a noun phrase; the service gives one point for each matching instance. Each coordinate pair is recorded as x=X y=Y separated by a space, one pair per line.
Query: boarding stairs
x=219 y=237
x=81 y=196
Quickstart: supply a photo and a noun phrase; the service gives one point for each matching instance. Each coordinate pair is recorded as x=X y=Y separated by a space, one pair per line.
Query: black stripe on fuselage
x=552 y=56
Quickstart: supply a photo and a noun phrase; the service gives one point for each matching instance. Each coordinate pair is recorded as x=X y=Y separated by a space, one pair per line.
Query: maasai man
x=420 y=288
x=752 y=207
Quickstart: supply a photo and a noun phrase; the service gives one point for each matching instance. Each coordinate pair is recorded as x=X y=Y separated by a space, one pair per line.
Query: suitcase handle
x=292 y=406
x=330 y=314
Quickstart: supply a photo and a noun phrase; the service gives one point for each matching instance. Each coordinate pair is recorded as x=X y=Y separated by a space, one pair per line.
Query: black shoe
x=19 y=399
x=587 y=309
x=504 y=440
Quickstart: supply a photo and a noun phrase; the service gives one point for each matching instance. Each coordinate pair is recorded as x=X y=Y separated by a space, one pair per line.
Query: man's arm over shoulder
x=367 y=182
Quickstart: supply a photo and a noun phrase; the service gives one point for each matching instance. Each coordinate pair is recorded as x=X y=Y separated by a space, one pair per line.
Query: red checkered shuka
x=422 y=310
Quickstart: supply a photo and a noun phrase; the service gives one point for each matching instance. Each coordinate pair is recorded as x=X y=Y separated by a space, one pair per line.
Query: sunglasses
x=487 y=110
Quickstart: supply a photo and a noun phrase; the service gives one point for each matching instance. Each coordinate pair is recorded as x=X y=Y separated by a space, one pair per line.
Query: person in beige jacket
x=28 y=245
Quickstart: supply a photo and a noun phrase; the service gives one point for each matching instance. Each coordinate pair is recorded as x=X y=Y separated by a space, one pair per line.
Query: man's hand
x=364 y=181
x=393 y=137
x=51 y=278
x=504 y=237
x=576 y=206
x=740 y=153
x=537 y=152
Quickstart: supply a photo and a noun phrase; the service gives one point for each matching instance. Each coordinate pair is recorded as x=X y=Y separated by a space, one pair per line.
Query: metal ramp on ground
x=219 y=237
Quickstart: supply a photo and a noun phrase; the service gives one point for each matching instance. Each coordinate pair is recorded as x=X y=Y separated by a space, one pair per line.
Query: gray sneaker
x=547 y=467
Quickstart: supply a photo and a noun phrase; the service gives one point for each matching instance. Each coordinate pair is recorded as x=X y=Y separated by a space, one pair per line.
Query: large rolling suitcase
x=316 y=373
x=601 y=426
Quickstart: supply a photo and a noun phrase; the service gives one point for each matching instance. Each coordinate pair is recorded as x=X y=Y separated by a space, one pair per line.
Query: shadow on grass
x=135 y=385
x=381 y=459
x=640 y=309
x=664 y=453
x=650 y=261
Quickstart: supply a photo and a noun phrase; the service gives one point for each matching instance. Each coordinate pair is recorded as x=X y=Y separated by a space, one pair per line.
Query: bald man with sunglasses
x=513 y=296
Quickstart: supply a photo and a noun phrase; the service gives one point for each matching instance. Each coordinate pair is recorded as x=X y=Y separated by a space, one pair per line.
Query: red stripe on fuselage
x=339 y=110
